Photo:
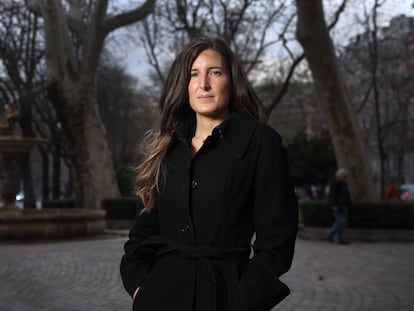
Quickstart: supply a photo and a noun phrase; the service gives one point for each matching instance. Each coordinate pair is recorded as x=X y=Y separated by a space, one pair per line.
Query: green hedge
x=61 y=203
x=124 y=208
x=378 y=215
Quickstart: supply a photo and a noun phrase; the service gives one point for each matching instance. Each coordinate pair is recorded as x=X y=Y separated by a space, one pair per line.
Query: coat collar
x=235 y=132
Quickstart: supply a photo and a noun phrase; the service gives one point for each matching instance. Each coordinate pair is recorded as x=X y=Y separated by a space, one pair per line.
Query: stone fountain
x=18 y=224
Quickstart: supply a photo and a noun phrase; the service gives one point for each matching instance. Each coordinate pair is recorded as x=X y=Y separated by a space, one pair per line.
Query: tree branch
x=60 y=53
x=74 y=20
x=285 y=86
x=338 y=14
x=77 y=26
x=297 y=61
x=128 y=18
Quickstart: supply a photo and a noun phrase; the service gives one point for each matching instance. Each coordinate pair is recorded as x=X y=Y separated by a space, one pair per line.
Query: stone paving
x=360 y=276
x=83 y=275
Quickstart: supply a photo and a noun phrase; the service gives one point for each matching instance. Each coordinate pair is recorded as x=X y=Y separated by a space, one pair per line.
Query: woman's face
x=209 y=86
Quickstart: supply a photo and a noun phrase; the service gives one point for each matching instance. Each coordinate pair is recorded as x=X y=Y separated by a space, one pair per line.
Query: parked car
x=407 y=192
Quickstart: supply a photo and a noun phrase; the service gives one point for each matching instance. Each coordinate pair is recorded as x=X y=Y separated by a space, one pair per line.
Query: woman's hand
x=135 y=293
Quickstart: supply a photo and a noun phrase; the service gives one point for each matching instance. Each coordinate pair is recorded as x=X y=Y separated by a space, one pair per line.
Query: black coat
x=191 y=253
x=339 y=195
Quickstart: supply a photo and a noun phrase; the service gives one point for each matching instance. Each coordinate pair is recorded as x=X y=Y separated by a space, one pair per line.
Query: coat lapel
x=237 y=131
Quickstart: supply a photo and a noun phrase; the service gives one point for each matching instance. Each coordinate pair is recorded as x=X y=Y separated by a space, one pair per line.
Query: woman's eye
x=193 y=74
x=215 y=73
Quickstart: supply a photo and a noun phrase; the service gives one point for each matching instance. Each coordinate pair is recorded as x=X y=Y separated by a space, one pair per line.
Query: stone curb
x=362 y=235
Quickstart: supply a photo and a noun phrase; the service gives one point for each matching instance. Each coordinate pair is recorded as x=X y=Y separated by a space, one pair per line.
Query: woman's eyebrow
x=209 y=68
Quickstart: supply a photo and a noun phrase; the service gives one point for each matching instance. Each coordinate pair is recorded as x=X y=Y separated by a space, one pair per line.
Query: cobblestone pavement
x=83 y=276
x=360 y=276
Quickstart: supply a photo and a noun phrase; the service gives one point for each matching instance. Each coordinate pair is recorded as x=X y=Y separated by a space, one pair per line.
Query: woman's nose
x=204 y=83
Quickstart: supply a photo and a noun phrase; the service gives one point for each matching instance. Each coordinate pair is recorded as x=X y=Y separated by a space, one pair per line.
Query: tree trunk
x=45 y=173
x=56 y=170
x=56 y=142
x=88 y=144
x=314 y=37
x=29 y=200
x=72 y=88
x=373 y=55
x=72 y=183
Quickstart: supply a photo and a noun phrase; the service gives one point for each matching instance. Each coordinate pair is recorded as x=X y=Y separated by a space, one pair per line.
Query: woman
x=212 y=177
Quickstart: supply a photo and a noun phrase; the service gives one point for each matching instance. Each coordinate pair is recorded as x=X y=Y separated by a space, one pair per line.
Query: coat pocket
x=137 y=302
x=263 y=294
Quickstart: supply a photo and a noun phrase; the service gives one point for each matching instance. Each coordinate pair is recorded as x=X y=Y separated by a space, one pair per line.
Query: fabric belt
x=161 y=246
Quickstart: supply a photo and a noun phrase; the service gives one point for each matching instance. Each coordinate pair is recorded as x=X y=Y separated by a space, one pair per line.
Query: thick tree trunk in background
x=72 y=88
x=314 y=37
x=89 y=148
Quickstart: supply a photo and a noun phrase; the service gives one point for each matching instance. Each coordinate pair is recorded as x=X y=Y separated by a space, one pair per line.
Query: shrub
x=362 y=215
x=118 y=208
x=125 y=177
x=59 y=203
x=124 y=208
x=315 y=213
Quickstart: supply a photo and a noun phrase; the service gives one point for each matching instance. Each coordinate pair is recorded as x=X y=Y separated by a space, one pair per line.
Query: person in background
x=339 y=201
x=392 y=192
x=213 y=176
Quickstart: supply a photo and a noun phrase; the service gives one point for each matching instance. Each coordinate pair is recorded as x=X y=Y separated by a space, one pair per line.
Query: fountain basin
x=51 y=224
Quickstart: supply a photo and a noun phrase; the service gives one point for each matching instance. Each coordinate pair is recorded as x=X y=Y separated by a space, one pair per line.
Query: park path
x=83 y=275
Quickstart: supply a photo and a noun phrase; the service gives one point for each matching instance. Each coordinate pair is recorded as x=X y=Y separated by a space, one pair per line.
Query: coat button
x=185 y=228
x=194 y=184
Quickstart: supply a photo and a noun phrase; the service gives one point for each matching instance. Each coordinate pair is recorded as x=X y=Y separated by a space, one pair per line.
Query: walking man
x=339 y=201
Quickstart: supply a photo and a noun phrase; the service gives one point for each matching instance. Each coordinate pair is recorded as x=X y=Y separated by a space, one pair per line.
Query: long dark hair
x=175 y=109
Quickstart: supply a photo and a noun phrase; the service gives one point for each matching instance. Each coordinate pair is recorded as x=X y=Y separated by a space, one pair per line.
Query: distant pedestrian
x=392 y=192
x=339 y=201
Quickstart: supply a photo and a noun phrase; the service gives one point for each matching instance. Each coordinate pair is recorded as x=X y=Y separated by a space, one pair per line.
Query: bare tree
x=295 y=60
x=21 y=54
x=126 y=112
x=73 y=46
x=373 y=55
x=245 y=25
x=375 y=66
x=313 y=35
x=55 y=153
